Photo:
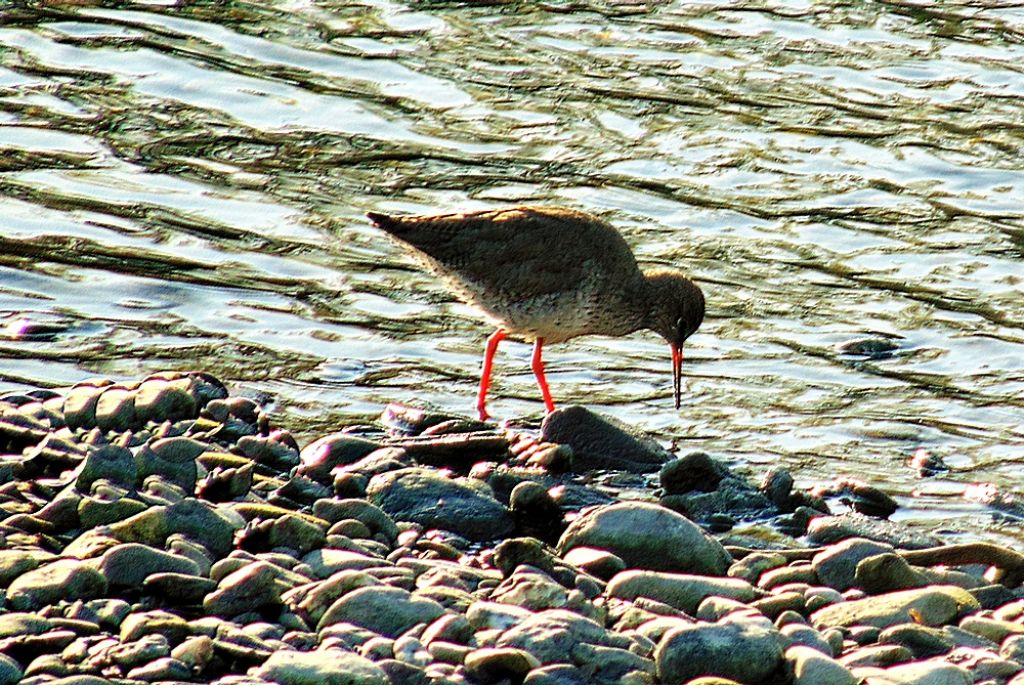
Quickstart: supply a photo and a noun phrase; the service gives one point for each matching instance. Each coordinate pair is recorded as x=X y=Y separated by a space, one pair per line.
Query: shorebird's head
x=677 y=310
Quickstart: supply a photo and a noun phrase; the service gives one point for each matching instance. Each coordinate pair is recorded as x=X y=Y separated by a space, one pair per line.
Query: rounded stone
x=464 y=506
x=927 y=606
x=549 y=635
x=598 y=562
x=321 y=667
x=64 y=579
x=680 y=590
x=600 y=442
x=811 y=667
x=388 y=611
x=318 y=458
x=744 y=650
x=173 y=459
x=491 y=664
x=108 y=462
x=137 y=625
x=115 y=408
x=128 y=565
x=10 y=670
x=679 y=545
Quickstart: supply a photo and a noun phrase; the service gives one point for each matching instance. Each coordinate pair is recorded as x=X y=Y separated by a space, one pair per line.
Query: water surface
x=183 y=185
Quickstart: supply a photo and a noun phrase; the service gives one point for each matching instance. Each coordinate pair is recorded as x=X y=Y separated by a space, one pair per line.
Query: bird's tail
x=384 y=221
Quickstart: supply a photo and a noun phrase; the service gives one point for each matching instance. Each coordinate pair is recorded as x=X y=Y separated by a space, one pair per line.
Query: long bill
x=677 y=371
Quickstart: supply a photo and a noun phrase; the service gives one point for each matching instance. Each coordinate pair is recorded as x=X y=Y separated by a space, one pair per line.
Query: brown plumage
x=548 y=274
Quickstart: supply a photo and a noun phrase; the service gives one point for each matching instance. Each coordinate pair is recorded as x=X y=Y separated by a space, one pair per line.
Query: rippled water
x=183 y=185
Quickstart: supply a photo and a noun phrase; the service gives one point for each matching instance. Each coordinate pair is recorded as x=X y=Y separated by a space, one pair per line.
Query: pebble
x=462 y=505
x=63 y=579
x=741 y=649
x=600 y=442
x=680 y=545
x=682 y=591
x=926 y=606
x=388 y=611
x=164 y=531
x=810 y=667
x=321 y=667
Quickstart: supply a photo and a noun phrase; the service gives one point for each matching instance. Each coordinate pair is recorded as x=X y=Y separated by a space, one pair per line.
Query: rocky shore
x=165 y=531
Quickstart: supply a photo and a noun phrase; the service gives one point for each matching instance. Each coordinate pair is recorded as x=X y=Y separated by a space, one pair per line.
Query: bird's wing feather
x=491 y=247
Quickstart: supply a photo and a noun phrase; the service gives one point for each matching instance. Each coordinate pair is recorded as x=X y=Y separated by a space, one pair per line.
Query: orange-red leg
x=538 y=371
x=485 y=375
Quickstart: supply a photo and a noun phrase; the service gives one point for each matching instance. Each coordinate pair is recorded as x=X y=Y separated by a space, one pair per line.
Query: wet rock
x=388 y=611
x=10 y=670
x=922 y=641
x=811 y=667
x=64 y=579
x=321 y=456
x=128 y=565
x=836 y=566
x=859 y=496
x=108 y=462
x=321 y=667
x=825 y=530
x=196 y=520
x=162 y=669
x=694 y=471
x=600 y=442
x=743 y=649
x=679 y=546
x=250 y=588
x=926 y=606
x=598 y=562
x=535 y=512
x=493 y=665
x=139 y=624
x=874 y=347
x=14 y=562
x=552 y=634
x=372 y=516
x=682 y=591
x=461 y=505
x=926 y=673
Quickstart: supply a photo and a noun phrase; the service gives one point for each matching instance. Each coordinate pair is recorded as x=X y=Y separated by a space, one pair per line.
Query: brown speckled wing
x=524 y=252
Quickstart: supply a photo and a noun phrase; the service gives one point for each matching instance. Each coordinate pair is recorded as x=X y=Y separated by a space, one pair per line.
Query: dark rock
x=694 y=471
x=535 y=512
x=602 y=443
x=743 y=649
x=319 y=458
x=825 y=530
x=110 y=462
x=461 y=505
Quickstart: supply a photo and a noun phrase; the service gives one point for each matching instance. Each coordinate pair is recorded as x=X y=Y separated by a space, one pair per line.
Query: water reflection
x=184 y=187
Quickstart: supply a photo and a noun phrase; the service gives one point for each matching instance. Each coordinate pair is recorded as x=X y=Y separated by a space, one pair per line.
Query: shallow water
x=183 y=185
